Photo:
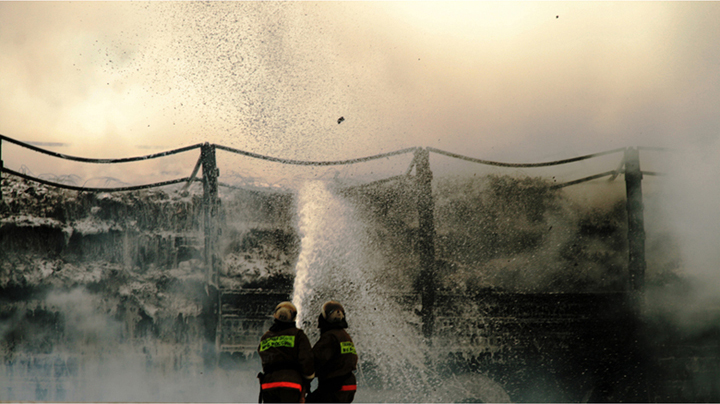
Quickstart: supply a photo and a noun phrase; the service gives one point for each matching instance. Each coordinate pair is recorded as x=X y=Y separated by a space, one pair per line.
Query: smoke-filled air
x=513 y=201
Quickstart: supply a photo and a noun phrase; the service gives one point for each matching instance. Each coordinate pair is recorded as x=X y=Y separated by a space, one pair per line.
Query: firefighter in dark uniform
x=335 y=358
x=287 y=359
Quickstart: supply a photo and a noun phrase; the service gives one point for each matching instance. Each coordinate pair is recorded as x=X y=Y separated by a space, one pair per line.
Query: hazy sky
x=515 y=81
x=508 y=81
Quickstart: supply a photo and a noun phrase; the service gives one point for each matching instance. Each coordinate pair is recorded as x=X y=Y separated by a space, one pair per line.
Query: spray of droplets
x=336 y=264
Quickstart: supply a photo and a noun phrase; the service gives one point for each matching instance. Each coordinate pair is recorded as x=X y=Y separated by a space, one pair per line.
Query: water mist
x=337 y=262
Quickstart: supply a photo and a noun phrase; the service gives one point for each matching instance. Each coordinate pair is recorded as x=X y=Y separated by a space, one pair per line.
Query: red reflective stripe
x=289 y=385
x=349 y=387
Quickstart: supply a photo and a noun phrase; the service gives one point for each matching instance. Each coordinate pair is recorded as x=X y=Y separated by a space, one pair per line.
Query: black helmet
x=285 y=312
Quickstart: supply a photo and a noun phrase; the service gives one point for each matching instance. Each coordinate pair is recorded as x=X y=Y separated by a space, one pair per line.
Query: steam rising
x=93 y=361
x=686 y=203
x=503 y=82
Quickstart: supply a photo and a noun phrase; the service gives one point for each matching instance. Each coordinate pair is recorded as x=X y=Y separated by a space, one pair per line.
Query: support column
x=210 y=210
x=426 y=239
x=211 y=204
x=1 y=170
x=636 y=223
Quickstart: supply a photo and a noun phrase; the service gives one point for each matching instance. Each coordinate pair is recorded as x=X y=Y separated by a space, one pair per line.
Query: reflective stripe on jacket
x=286 y=355
x=288 y=385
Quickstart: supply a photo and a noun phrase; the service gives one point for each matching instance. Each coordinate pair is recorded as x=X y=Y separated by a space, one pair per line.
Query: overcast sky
x=516 y=81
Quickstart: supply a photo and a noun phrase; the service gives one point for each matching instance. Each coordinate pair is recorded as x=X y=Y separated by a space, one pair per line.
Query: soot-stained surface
x=531 y=304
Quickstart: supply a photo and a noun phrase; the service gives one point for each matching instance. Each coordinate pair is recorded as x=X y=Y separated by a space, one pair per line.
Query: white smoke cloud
x=92 y=359
x=686 y=207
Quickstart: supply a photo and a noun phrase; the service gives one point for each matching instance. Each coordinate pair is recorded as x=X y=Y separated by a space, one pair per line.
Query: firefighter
x=335 y=358
x=287 y=359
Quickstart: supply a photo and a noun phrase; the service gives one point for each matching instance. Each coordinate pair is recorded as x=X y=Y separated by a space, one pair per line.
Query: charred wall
x=134 y=257
x=567 y=347
x=568 y=334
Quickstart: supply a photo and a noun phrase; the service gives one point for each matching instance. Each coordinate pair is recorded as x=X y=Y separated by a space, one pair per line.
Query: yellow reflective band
x=279 y=341
x=347 y=347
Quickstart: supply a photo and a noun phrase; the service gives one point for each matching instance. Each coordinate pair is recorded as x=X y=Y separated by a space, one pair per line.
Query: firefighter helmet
x=333 y=312
x=285 y=312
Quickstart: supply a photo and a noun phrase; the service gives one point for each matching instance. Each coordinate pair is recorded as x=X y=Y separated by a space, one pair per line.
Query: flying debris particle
x=341 y=119
x=557 y=16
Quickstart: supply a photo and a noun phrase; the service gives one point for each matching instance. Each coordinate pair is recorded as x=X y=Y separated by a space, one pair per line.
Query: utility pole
x=636 y=223
x=426 y=239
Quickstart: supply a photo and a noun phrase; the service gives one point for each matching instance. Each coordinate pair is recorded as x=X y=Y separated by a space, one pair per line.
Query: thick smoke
x=88 y=356
x=686 y=203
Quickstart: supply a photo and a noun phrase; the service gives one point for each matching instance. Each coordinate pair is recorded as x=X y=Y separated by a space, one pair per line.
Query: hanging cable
x=499 y=164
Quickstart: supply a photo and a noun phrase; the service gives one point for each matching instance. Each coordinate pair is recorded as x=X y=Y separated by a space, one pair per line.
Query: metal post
x=1 y=170
x=426 y=239
x=636 y=224
x=211 y=208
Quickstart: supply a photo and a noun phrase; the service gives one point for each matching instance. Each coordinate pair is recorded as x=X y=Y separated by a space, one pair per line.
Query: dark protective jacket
x=286 y=357
x=335 y=362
